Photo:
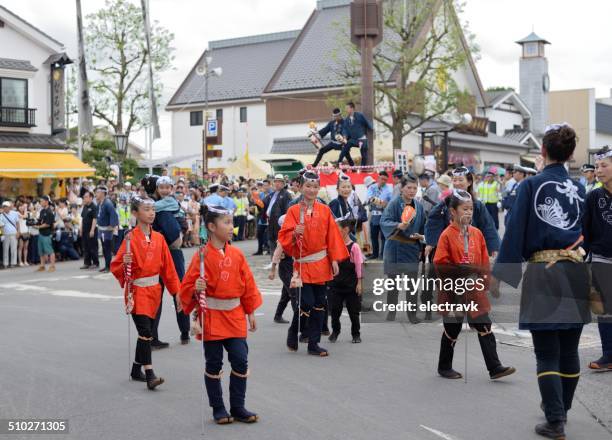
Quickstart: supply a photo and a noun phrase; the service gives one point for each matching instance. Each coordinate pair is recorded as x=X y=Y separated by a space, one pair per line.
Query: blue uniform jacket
x=547 y=214
x=107 y=216
x=333 y=128
x=359 y=127
x=395 y=251
x=439 y=219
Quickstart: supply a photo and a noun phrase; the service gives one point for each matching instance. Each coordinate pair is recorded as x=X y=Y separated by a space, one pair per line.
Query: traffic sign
x=211 y=128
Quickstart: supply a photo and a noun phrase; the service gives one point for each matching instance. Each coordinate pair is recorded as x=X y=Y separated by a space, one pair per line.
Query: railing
x=17 y=117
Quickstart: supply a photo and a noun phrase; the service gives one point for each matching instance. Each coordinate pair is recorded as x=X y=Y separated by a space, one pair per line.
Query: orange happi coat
x=149 y=258
x=449 y=263
x=227 y=276
x=320 y=233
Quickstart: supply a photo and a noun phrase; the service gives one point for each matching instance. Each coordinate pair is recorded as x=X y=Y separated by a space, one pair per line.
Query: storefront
x=38 y=171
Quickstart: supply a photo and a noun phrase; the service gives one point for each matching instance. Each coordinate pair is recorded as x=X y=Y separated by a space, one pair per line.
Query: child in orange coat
x=309 y=234
x=150 y=259
x=226 y=297
x=462 y=255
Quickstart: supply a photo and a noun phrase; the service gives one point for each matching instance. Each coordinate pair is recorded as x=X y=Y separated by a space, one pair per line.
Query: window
x=13 y=92
x=243 y=114
x=219 y=115
x=493 y=127
x=195 y=118
x=517 y=127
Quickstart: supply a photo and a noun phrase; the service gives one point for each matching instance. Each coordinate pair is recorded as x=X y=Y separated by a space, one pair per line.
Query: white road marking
x=439 y=433
x=269 y=292
x=21 y=287
x=77 y=294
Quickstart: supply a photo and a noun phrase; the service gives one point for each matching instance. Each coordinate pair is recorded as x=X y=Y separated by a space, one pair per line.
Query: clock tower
x=535 y=83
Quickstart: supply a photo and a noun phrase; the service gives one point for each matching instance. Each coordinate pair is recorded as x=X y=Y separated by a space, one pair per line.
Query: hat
x=47 y=198
x=368 y=181
x=587 y=167
x=164 y=180
x=529 y=170
x=336 y=112
x=279 y=177
x=223 y=188
x=6 y=203
x=445 y=179
x=102 y=188
x=519 y=168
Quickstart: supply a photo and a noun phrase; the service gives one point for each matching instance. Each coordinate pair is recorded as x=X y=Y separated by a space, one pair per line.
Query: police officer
x=107 y=223
x=519 y=174
x=356 y=126
x=89 y=232
x=337 y=133
x=588 y=174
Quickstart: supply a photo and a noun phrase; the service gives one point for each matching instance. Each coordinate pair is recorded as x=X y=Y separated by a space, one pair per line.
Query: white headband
x=219 y=210
x=464 y=198
x=461 y=171
x=310 y=176
x=555 y=127
x=604 y=155
x=164 y=180
x=140 y=201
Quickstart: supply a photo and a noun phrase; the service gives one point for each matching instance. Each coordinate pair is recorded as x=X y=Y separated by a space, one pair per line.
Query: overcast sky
x=580 y=55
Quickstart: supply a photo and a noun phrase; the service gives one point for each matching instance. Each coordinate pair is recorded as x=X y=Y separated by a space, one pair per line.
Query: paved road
x=64 y=355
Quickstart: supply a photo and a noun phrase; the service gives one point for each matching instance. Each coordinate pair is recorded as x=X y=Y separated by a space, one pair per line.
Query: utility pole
x=367 y=33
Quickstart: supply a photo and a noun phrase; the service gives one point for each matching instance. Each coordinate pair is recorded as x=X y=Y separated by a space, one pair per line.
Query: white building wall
x=505 y=120
x=17 y=46
x=601 y=140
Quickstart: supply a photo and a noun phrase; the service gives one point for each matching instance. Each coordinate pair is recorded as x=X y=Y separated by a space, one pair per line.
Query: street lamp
x=121 y=144
x=206 y=72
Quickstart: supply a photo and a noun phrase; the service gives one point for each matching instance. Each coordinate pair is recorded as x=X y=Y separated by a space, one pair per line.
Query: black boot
x=554 y=430
x=488 y=346
x=445 y=361
x=215 y=397
x=152 y=380
x=238 y=383
x=137 y=374
x=334 y=336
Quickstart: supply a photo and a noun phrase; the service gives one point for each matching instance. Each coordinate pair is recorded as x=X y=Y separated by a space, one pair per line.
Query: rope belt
x=554 y=255
x=222 y=304
x=146 y=281
x=313 y=257
x=105 y=228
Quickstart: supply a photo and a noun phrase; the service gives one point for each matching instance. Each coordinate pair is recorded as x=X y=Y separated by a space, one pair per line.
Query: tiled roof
x=493 y=97
x=516 y=135
x=27 y=140
x=603 y=118
x=8 y=63
x=248 y=64
x=292 y=145
x=319 y=55
x=532 y=38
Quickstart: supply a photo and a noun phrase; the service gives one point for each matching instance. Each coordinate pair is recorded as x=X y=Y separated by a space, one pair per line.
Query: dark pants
x=240 y=222
x=90 y=249
x=337 y=299
x=605 y=333
x=237 y=354
x=33 y=257
x=118 y=240
x=326 y=149
x=262 y=238
x=312 y=303
x=107 y=248
x=558 y=366
x=494 y=211
x=362 y=144
x=181 y=318
x=486 y=338
x=375 y=232
x=143 y=344
x=66 y=247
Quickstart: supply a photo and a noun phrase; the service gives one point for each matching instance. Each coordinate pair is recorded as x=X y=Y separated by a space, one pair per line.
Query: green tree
x=413 y=69
x=117 y=57
x=103 y=154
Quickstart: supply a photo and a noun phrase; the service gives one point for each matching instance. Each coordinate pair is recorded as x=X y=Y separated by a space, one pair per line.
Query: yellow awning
x=34 y=164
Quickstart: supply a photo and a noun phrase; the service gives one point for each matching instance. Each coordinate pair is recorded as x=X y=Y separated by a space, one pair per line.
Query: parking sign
x=211 y=128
